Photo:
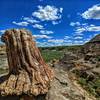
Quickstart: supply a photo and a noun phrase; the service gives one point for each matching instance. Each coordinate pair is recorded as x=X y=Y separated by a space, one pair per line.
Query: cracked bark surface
x=28 y=73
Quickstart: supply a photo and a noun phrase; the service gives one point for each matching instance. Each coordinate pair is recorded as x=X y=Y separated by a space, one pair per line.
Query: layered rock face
x=64 y=85
x=3 y=57
x=73 y=67
x=28 y=73
x=89 y=54
x=86 y=65
x=93 y=46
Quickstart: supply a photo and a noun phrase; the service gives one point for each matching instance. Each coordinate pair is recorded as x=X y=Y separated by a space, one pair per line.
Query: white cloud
x=90 y=28
x=30 y=20
x=38 y=26
x=78 y=42
x=61 y=10
x=93 y=28
x=48 y=13
x=66 y=41
x=74 y=23
x=67 y=37
x=46 y=32
x=78 y=37
x=24 y=23
x=2 y=31
x=56 y=22
x=92 y=13
x=42 y=36
x=56 y=40
x=59 y=42
x=43 y=44
x=80 y=30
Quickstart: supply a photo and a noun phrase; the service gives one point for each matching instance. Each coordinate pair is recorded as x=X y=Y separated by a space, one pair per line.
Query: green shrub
x=50 y=55
x=2 y=71
x=98 y=58
x=82 y=81
x=97 y=83
x=91 y=89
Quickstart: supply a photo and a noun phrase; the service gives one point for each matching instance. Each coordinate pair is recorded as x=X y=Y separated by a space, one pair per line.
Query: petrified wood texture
x=28 y=73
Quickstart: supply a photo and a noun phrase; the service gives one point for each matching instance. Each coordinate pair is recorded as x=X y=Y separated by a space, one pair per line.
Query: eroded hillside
x=77 y=70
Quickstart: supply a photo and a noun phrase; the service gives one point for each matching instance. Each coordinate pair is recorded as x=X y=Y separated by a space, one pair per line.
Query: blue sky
x=53 y=22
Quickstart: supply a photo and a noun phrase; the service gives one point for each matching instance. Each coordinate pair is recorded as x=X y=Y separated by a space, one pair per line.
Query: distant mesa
x=95 y=39
x=93 y=45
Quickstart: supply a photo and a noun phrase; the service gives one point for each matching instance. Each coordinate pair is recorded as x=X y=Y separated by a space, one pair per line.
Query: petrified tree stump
x=28 y=73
